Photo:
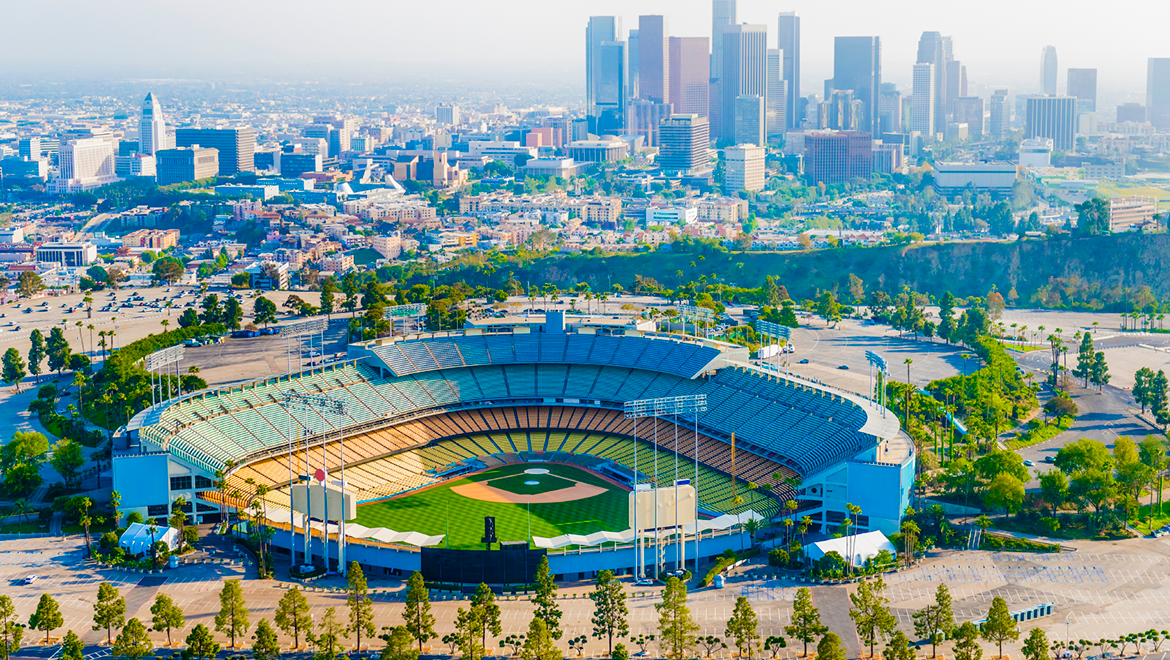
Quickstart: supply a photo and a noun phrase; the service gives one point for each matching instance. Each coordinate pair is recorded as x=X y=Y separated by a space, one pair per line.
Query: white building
x=136 y=165
x=67 y=254
x=389 y=246
x=671 y=215
x=743 y=168
x=1036 y=152
x=995 y=178
x=922 y=103
x=152 y=130
x=82 y=165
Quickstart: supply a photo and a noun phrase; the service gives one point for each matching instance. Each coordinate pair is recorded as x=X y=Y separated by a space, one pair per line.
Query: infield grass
x=438 y=510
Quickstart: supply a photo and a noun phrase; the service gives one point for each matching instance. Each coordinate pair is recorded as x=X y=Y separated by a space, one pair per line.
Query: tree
x=328 y=642
x=1036 y=645
x=233 y=313
x=484 y=603
x=67 y=460
x=72 y=648
x=676 y=627
x=467 y=627
x=898 y=648
x=1005 y=492
x=292 y=615
x=742 y=627
x=946 y=314
x=936 y=621
x=1093 y=217
x=58 y=350
x=47 y=616
x=11 y=632
x=1086 y=356
x=167 y=616
x=13 y=367
x=264 y=311
x=189 y=318
x=609 y=609
x=211 y=312
x=36 y=353
x=201 y=644
x=806 y=620
x=829 y=648
x=871 y=613
x=232 y=619
x=327 y=290
x=109 y=612
x=545 y=599
x=1000 y=626
x=538 y=643
x=167 y=270
x=420 y=623
x=28 y=284
x=132 y=642
x=1158 y=400
x=265 y=645
x=1099 y=372
x=1143 y=385
x=399 y=644
x=361 y=608
x=773 y=644
x=967 y=642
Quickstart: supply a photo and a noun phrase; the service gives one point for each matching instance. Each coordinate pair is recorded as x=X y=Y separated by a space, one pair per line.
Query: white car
x=29 y=579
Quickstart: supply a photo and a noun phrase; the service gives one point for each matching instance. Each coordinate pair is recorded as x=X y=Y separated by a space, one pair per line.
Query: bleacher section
x=680 y=358
x=800 y=427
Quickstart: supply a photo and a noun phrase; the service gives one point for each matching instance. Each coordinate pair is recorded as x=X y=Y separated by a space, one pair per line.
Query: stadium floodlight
x=883 y=370
x=161 y=359
x=308 y=327
x=316 y=403
x=877 y=361
x=695 y=312
x=687 y=404
x=774 y=330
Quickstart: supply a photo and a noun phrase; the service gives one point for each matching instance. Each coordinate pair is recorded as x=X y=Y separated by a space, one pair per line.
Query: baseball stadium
x=419 y=439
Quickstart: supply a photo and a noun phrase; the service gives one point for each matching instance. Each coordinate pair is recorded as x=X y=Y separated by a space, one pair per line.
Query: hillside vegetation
x=1103 y=272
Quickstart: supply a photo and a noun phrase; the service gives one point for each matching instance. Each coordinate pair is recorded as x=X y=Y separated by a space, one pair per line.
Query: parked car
x=1029 y=462
x=804 y=361
x=1049 y=459
x=29 y=579
x=844 y=366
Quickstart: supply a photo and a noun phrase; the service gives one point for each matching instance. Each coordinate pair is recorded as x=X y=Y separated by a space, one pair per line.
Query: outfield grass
x=437 y=510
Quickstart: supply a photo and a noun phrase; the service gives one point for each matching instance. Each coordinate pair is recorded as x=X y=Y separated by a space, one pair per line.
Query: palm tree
x=80 y=338
x=909 y=392
x=21 y=507
x=85 y=521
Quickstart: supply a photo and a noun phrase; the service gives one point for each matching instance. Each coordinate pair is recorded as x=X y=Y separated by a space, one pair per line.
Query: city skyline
x=470 y=39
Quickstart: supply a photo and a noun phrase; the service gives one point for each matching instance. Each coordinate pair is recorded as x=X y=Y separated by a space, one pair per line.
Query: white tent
x=863 y=547
x=137 y=538
x=597 y=538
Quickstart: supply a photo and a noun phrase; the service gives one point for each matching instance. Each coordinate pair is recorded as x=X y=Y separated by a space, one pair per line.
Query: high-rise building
x=1135 y=112
x=933 y=49
x=447 y=113
x=152 y=130
x=750 y=119
x=745 y=70
x=1053 y=117
x=633 y=48
x=236 y=146
x=722 y=14
x=1048 y=71
x=643 y=118
x=341 y=135
x=923 y=104
x=684 y=144
x=956 y=83
x=969 y=111
x=653 y=59
x=777 y=96
x=606 y=75
x=84 y=164
x=838 y=156
x=690 y=75
x=743 y=168
x=788 y=43
x=999 y=121
x=29 y=148
x=857 y=66
x=841 y=112
x=1082 y=84
x=1158 y=92
x=186 y=164
x=890 y=108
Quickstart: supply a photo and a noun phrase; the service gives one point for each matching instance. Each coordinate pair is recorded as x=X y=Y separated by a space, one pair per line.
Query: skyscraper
x=923 y=103
x=152 y=130
x=788 y=43
x=684 y=144
x=722 y=14
x=1052 y=117
x=890 y=108
x=236 y=146
x=632 y=47
x=839 y=156
x=750 y=120
x=690 y=75
x=1000 y=120
x=743 y=168
x=1048 y=71
x=1158 y=92
x=933 y=49
x=777 y=95
x=956 y=84
x=653 y=59
x=857 y=66
x=745 y=70
x=1082 y=83
x=605 y=70
x=643 y=117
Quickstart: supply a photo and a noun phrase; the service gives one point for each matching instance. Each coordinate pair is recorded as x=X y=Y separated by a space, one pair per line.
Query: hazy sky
x=1000 y=40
